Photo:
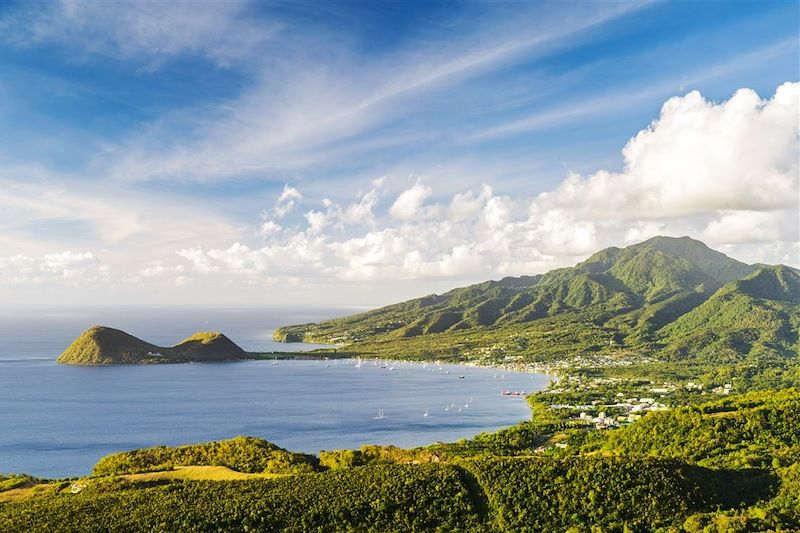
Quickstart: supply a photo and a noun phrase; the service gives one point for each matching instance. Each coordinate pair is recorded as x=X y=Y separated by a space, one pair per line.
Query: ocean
x=58 y=420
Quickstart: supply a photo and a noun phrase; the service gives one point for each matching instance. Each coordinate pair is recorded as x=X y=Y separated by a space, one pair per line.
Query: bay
x=57 y=420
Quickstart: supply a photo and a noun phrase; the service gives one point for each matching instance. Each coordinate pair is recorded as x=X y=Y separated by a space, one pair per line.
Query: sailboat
x=380 y=415
x=426 y=413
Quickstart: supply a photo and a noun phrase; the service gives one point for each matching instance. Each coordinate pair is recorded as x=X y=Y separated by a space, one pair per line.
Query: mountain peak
x=717 y=265
x=102 y=345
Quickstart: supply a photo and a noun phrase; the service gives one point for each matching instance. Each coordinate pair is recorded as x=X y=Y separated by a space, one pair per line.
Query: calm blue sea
x=57 y=421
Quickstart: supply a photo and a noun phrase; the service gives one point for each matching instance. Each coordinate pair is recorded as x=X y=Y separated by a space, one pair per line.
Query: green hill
x=756 y=316
x=100 y=345
x=666 y=297
x=754 y=430
x=207 y=346
x=243 y=454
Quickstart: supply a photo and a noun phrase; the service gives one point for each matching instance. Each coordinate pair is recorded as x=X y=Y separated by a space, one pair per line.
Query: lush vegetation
x=757 y=430
x=375 y=498
x=665 y=300
x=755 y=318
x=612 y=493
x=101 y=345
x=674 y=411
x=243 y=454
x=731 y=464
x=14 y=481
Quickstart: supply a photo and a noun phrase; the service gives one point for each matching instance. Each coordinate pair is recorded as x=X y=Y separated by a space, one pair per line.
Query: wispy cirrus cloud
x=247 y=136
x=622 y=98
x=41 y=207
x=302 y=109
x=146 y=32
x=666 y=187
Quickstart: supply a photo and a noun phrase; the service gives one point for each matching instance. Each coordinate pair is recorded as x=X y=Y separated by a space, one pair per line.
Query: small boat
x=275 y=361
x=426 y=413
x=380 y=415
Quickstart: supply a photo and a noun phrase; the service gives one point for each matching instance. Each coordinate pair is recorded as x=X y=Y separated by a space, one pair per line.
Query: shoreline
x=493 y=423
x=522 y=367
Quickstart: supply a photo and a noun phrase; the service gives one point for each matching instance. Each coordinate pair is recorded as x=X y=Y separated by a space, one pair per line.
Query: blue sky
x=245 y=153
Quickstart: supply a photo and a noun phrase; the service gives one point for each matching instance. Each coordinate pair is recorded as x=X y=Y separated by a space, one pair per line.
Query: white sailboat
x=426 y=413
x=380 y=415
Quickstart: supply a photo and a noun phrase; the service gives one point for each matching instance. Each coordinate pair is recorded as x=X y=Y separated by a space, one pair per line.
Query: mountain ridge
x=617 y=299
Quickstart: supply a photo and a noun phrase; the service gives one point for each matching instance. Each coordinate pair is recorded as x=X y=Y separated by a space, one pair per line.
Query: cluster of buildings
x=615 y=414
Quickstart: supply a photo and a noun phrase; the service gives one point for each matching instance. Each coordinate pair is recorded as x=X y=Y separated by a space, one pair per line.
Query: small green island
x=100 y=345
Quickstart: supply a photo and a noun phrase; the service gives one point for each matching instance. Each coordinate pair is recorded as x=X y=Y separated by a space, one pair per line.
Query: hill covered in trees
x=666 y=299
x=243 y=454
x=101 y=345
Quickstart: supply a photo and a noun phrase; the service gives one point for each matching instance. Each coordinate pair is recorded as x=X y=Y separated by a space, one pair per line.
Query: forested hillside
x=665 y=299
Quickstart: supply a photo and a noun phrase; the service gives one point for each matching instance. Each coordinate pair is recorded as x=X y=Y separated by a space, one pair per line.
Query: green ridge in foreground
x=100 y=345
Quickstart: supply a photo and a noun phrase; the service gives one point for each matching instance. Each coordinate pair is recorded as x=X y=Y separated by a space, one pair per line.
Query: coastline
x=556 y=373
x=252 y=387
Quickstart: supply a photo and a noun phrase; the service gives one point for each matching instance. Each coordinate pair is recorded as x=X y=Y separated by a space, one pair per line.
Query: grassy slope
x=198 y=473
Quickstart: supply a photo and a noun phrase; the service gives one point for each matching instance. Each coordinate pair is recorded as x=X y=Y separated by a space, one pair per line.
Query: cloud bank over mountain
x=724 y=172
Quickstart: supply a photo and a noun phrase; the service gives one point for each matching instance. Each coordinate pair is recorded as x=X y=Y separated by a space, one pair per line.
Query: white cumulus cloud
x=286 y=201
x=726 y=173
x=409 y=204
x=741 y=154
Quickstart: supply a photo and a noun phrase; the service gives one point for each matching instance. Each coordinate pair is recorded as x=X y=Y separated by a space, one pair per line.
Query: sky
x=361 y=153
